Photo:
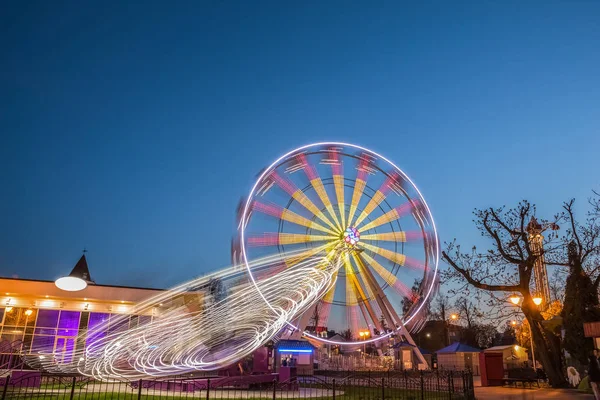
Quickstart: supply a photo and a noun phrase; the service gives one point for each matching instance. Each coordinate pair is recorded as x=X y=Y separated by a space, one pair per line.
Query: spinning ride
x=351 y=203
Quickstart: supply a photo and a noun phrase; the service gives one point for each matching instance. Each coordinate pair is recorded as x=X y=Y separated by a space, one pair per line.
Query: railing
x=326 y=385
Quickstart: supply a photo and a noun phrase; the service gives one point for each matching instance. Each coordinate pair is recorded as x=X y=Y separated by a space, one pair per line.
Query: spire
x=78 y=279
x=81 y=269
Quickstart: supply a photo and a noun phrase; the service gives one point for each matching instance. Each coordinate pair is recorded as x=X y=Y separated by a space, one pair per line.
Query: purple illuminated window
x=47 y=318
x=68 y=323
x=43 y=344
x=97 y=319
x=97 y=326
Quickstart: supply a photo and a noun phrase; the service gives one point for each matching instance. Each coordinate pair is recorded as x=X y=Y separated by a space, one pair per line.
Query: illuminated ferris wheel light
x=347 y=201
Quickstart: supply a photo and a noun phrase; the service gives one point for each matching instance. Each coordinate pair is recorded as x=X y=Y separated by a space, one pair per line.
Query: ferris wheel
x=345 y=201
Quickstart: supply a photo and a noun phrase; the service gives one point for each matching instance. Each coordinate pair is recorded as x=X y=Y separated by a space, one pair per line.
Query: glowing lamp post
x=364 y=335
x=515 y=299
x=453 y=317
x=78 y=278
x=537 y=300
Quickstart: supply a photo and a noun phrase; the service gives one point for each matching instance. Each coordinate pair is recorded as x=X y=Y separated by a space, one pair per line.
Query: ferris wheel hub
x=351 y=236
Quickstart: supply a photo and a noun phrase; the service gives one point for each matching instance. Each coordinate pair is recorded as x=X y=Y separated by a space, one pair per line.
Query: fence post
x=208 y=389
x=139 y=389
x=450 y=384
x=422 y=385
x=274 y=388
x=6 y=382
x=332 y=385
x=73 y=387
x=382 y=388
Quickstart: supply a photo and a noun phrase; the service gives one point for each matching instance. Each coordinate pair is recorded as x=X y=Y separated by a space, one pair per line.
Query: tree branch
x=480 y=285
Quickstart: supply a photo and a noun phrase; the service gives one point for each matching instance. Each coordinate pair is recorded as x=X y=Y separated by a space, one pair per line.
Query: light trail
x=205 y=324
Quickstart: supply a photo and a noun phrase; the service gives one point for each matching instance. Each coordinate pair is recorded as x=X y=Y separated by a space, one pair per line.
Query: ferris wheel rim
x=436 y=248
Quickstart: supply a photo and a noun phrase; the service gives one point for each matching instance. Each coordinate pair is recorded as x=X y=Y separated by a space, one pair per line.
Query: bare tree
x=467 y=312
x=441 y=309
x=505 y=268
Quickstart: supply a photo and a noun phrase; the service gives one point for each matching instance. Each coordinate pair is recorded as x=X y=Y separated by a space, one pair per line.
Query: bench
x=522 y=375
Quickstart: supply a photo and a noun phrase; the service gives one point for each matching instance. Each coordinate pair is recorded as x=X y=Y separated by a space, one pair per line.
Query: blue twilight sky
x=133 y=128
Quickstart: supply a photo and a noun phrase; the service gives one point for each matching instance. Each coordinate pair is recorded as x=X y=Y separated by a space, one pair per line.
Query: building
x=592 y=330
x=406 y=358
x=36 y=316
x=295 y=354
x=459 y=357
x=513 y=356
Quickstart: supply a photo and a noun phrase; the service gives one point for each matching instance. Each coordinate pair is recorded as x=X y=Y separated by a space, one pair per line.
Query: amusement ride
x=332 y=238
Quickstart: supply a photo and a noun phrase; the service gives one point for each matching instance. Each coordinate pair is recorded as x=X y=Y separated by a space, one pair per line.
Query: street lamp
x=515 y=299
x=454 y=317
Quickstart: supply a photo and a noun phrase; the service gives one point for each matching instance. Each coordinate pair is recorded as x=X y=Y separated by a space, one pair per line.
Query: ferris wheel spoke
x=301 y=198
x=359 y=187
x=275 y=239
x=299 y=257
x=367 y=292
x=402 y=236
x=338 y=183
x=352 y=308
x=290 y=216
x=391 y=215
x=317 y=184
x=386 y=275
x=394 y=257
x=378 y=197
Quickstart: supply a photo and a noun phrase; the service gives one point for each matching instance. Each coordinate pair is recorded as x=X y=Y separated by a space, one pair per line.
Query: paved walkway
x=506 y=393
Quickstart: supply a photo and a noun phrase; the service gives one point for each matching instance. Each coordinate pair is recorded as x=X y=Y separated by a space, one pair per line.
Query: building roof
x=294 y=345
x=499 y=348
x=402 y=344
x=457 y=347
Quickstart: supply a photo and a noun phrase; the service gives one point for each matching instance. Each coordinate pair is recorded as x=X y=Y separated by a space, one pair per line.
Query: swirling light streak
x=217 y=327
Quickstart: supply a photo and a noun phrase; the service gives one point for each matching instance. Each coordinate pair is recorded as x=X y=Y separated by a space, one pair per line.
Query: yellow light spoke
x=386 y=275
x=351 y=299
x=300 y=197
x=388 y=236
x=377 y=198
x=390 y=255
x=295 y=259
x=317 y=184
x=338 y=183
x=328 y=298
x=291 y=216
x=274 y=239
x=397 y=258
x=320 y=189
x=371 y=305
x=390 y=216
x=359 y=187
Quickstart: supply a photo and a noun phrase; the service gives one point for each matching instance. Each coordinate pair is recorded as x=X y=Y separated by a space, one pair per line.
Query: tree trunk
x=547 y=348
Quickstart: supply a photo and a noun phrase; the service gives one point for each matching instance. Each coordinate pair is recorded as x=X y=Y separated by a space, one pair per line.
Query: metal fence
x=326 y=385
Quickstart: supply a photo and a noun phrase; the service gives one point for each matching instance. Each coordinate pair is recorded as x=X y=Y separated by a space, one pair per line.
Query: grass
x=350 y=393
